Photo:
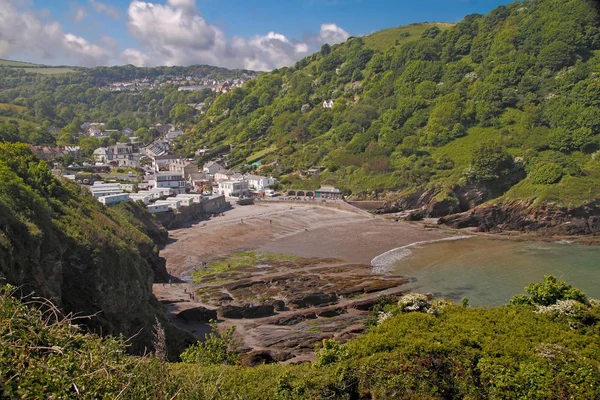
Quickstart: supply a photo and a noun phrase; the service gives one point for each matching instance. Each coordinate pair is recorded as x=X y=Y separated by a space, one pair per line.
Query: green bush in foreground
x=425 y=349
x=43 y=355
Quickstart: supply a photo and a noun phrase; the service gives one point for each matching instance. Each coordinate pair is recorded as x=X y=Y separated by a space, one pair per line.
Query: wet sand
x=294 y=229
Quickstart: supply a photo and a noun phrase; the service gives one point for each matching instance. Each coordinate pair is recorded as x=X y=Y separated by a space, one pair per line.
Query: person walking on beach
x=270 y=222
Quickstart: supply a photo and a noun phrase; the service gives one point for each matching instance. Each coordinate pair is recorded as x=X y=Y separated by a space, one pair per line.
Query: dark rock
x=315 y=299
x=260 y=357
x=278 y=305
x=230 y=311
x=293 y=319
x=334 y=312
x=246 y=311
x=260 y=311
x=198 y=314
x=365 y=305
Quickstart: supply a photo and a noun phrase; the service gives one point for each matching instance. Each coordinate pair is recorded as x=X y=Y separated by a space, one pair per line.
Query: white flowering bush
x=383 y=316
x=414 y=302
x=573 y=311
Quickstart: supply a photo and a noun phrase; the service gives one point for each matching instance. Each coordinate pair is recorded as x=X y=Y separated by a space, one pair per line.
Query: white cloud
x=176 y=33
x=80 y=14
x=23 y=32
x=173 y=32
x=105 y=9
x=332 y=34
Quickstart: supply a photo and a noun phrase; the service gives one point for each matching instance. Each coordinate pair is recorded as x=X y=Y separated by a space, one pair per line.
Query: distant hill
x=37 y=68
x=400 y=35
x=499 y=106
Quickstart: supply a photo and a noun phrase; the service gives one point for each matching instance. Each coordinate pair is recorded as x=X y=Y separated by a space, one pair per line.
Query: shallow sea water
x=490 y=271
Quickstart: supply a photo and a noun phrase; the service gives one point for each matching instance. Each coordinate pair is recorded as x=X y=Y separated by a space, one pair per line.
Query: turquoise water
x=489 y=272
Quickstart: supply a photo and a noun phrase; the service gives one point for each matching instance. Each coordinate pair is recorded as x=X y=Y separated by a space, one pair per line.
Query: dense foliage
x=59 y=242
x=421 y=349
x=65 y=101
x=482 y=102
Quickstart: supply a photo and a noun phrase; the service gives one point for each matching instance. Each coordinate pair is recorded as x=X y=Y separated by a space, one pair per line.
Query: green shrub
x=218 y=347
x=546 y=173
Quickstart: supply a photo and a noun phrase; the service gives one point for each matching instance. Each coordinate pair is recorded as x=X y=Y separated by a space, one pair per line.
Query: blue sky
x=231 y=33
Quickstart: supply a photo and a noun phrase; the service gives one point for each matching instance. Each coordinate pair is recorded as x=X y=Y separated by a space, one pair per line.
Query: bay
x=490 y=271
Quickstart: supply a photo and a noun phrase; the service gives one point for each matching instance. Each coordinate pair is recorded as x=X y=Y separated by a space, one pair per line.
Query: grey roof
x=328 y=190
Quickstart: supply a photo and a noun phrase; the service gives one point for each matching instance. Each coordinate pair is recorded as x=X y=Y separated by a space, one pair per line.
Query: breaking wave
x=383 y=262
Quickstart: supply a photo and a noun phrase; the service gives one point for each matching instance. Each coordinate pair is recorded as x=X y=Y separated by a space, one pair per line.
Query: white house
x=224 y=174
x=101 y=189
x=162 y=162
x=158 y=208
x=196 y=198
x=233 y=188
x=184 y=167
x=122 y=155
x=143 y=197
x=169 y=180
x=171 y=203
x=259 y=183
x=114 y=198
x=211 y=168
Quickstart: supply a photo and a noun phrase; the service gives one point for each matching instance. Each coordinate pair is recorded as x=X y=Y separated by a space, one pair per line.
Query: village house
x=120 y=155
x=211 y=168
x=157 y=148
x=198 y=180
x=174 y=134
x=224 y=174
x=162 y=162
x=259 y=183
x=169 y=180
x=184 y=167
x=233 y=188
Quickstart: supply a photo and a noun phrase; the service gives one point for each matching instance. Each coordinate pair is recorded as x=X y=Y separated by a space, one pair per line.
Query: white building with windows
x=114 y=199
x=259 y=183
x=169 y=180
x=233 y=188
x=120 y=155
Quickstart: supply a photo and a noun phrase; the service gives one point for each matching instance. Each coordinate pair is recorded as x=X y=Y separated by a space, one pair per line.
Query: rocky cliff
x=523 y=216
x=59 y=243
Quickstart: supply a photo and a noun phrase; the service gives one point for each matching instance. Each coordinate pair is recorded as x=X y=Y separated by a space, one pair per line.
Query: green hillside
x=486 y=103
x=400 y=35
x=60 y=243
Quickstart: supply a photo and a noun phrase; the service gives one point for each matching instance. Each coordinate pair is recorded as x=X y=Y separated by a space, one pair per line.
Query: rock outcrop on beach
x=523 y=216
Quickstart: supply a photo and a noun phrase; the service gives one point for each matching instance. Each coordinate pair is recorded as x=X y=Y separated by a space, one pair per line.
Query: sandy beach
x=295 y=229
x=325 y=294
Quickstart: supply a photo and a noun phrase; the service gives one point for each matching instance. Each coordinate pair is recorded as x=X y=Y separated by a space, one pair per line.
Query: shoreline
x=336 y=251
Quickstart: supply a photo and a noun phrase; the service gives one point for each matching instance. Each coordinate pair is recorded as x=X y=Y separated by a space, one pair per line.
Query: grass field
x=17 y=64
x=36 y=68
x=260 y=154
x=385 y=39
x=12 y=107
x=49 y=70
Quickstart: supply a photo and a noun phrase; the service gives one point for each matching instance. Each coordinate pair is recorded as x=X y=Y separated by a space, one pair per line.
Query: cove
x=490 y=271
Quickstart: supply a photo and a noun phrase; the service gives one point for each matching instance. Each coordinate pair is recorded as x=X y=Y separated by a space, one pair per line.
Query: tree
x=113 y=124
x=549 y=292
x=490 y=161
x=431 y=32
